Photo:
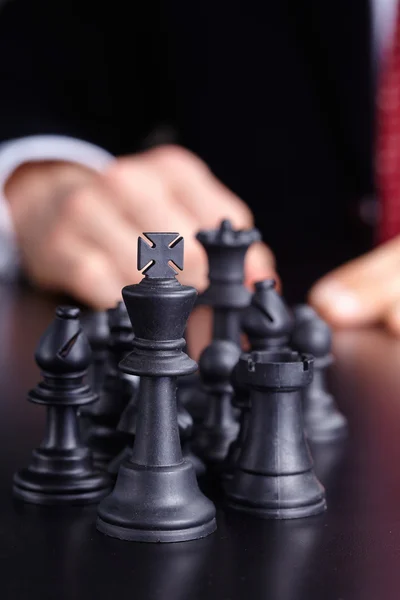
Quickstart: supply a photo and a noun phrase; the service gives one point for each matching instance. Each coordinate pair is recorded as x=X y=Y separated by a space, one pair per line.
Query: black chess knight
x=156 y=496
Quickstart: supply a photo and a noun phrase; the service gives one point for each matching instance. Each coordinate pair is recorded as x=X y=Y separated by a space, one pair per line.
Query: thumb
x=361 y=291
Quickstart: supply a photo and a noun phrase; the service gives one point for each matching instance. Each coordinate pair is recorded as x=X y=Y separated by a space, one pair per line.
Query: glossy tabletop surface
x=352 y=552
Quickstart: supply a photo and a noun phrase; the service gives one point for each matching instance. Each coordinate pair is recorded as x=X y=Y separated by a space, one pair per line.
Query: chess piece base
x=282 y=497
x=156 y=504
x=61 y=477
x=50 y=490
x=160 y=536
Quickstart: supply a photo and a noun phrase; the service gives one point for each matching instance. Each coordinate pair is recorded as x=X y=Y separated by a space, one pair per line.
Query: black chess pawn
x=226 y=249
x=274 y=477
x=156 y=496
x=219 y=428
x=268 y=323
x=240 y=401
x=95 y=325
x=323 y=420
x=102 y=418
x=61 y=471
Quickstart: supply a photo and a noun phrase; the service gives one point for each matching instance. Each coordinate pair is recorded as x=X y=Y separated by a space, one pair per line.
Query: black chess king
x=156 y=496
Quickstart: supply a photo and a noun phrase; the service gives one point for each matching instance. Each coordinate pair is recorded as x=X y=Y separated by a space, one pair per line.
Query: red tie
x=388 y=141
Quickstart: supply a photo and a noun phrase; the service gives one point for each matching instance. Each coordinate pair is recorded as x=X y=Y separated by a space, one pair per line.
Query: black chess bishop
x=61 y=470
x=156 y=497
x=267 y=321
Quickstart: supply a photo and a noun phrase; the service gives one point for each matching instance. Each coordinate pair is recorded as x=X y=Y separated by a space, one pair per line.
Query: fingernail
x=339 y=301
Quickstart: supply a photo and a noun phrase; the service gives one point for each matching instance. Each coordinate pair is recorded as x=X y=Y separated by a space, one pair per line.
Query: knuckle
x=120 y=168
x=176 y=157
x=75 y=205
x=86 y=271
x=55 y=242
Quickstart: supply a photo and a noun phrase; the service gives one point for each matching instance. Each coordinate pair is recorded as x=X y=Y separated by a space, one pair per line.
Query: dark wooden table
x=350 y=553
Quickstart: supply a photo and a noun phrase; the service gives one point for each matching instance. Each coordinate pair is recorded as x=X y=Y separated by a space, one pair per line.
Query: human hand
x=77 y=229
x=363 y=291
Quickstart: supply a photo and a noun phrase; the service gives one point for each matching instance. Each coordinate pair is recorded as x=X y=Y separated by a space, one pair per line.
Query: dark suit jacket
x=277 y=97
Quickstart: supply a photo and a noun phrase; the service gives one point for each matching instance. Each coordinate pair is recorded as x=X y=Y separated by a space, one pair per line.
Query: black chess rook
x=268 y=324
x=274 y=476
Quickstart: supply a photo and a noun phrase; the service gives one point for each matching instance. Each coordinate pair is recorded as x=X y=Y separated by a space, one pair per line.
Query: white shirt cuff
x=37 y=148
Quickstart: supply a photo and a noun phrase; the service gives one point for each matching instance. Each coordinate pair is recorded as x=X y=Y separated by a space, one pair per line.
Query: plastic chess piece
x=219 y=427
x=268 y=323
x=95 y=325
x=226 y=293
x=226 y=249
x=241 y=401
x=156 y=497
x=127 y=426
x=61 y=471
x=274 y=477
x=103 y=417
x=186 y=426
x=267 y=320
x=323 y=420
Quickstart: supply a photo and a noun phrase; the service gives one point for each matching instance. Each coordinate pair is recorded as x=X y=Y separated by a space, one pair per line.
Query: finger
x=94 y=281
x=198 y=190
x=147 y=203
x=199 y=329
x=142 y=194
x=93 y=216
x=146 y=199
x=259 y=264
x=363 y=290
x=77 y=268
